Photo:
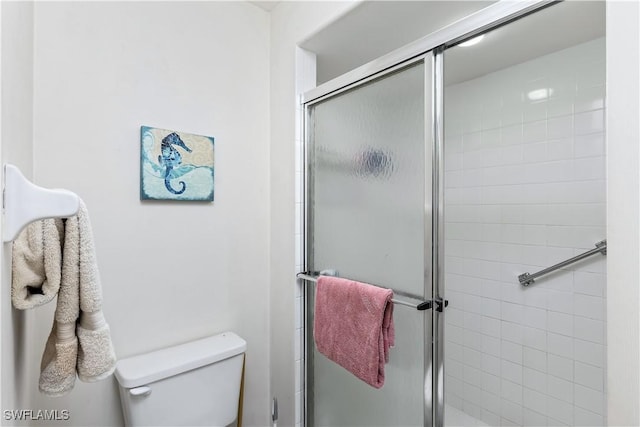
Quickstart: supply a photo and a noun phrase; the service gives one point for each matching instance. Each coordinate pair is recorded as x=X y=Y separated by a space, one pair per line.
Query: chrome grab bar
x=423 y=305
x=526 y=279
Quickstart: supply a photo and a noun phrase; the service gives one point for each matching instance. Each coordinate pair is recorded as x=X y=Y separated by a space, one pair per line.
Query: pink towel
x=353 y=326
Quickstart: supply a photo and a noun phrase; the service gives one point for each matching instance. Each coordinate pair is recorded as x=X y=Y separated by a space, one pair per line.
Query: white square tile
x=589 y=122
x=536 y=297
x=472 y=321
x=590 y=353
x=535 y=400
x=559 y=106
x=589 y=376
x=534 y=380
x=589 y=168
x=560 y=388
x=535 y=338
x=534 y=132
x=512 y=332
x=591 y=74
x=589 y=145
x=560 y=281
x=511 y=352
x=560 y=410
x=298 y=407
x=473 y=395
x=454 y=386
x=491 y=307
x=533 y=418
x=589 y=306
x=560 y=345
x=511 y=412
x=490 y=418
x=561 y=367
x=492 y=289
x=491 y=402
x=472 y=177
x=593 y=284
x=511 y=253
x=534 y=235
x=298 y=308
x=473 y=340
x=511 y=371
x=513 y=293
x=490 y=138
x=491 y=345
x=298 y=367
x=512 y=392
x=589 y=329
x=583 y=417
x=560 y=301
x=535 y=359
x=472 y=358
x=512 y=312
x=534 y=111
x=455 y=369
x=491 y=383
x=491 y=364
x=590 y=399
x=560 y=323
x=560 y=148
x=535 y=153
x=535 y=317
x=560 y=127
x=473 y=376
x=298 y=344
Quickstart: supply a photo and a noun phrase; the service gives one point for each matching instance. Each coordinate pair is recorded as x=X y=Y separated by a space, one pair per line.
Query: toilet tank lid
x=146 y=368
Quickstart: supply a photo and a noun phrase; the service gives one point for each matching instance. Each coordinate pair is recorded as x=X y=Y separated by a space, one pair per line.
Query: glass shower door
x=524 y=190
x=368 y=185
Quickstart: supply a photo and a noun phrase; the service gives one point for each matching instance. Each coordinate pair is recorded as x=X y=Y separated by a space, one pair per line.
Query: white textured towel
x=58 y=257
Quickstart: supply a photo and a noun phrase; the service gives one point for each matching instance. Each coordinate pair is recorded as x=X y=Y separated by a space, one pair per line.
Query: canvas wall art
x=175 y=165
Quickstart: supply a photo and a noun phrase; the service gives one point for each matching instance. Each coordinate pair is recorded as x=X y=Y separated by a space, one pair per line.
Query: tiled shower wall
x=524 y=189
x=305 y=80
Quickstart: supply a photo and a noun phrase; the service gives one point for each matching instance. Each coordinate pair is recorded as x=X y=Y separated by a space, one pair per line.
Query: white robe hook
x=25 y=202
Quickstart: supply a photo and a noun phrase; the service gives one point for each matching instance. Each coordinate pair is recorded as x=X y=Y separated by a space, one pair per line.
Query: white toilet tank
x=192 y=384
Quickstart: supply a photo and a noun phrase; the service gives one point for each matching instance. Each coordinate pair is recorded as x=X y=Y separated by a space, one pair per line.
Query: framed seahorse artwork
x=175 y=165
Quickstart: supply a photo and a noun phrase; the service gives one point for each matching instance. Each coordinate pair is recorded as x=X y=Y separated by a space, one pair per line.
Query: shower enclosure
x=444 y=171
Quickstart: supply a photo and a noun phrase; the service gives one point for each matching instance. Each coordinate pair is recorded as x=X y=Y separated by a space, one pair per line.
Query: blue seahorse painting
x=176 y=165
x=170 y=158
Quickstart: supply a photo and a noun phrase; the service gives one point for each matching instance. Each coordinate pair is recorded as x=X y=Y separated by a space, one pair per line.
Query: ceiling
x=375 y=28
x=265 y=5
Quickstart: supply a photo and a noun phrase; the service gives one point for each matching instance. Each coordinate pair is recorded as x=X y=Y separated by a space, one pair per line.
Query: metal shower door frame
x=430 y=50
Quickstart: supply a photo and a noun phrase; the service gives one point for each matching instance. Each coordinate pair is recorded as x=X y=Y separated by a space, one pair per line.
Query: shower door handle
x=439 y=303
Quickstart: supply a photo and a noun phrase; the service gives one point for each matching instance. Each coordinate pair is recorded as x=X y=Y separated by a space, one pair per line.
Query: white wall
x=16 y=118
x=623 y=212
x=171 y=272
x=525 y=189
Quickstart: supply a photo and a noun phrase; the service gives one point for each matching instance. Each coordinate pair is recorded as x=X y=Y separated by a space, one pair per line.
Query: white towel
x=55 y=256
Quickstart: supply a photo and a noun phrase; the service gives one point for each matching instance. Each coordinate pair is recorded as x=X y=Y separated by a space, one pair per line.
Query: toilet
x=192 y=384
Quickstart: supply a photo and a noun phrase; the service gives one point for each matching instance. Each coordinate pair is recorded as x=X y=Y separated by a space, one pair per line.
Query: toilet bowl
x=192 y=384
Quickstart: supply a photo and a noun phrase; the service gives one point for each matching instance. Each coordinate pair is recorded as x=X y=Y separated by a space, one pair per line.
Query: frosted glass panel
x=367 y=196
x=368 y=182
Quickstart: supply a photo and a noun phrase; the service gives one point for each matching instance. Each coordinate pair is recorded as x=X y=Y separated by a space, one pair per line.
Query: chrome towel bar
x=526 y=279
x=422 y=305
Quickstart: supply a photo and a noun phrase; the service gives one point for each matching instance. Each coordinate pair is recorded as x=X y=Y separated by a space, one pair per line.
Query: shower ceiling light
x=539 y=94
x=473 y=41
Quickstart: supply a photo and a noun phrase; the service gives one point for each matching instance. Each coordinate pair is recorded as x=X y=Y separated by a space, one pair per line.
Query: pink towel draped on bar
x=353 y=326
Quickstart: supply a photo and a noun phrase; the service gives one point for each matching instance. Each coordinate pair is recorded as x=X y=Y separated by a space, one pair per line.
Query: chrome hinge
x=274 y=410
